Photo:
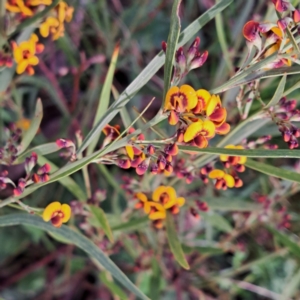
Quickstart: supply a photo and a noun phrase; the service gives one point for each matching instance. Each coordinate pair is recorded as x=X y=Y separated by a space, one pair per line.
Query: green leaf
x=101 y=219
x=285 y=240
x=114 y=289
x=240 y=132
x=174 y=243
x=171 y=46
x=156 y=63
x=217 y=221
x=39 y=150
x=77 y=239
x=226 y=204
x=278 y=93
x=273 y=171
x=292 y=287
x=104 y=96
x=286 y=153
x=133 y=224
x=34 y=127
x=202 y=249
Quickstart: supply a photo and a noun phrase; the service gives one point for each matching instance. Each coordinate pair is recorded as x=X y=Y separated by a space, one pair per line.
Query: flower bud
x=124 y=163
x=198 y=60
x=193 y=50
x=171 y=149
x=143 y=167
x=150 y=149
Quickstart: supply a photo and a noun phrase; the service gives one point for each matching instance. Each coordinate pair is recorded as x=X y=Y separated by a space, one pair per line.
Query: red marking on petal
x=223 y=129
x=250 y=30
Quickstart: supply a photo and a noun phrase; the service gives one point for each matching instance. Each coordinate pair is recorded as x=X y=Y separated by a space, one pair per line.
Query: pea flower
x=236 y=161
x=223 y=180
x=179 y=100
x=166 y=196
x=57 y=213
x=198 y=133
x=25 y=54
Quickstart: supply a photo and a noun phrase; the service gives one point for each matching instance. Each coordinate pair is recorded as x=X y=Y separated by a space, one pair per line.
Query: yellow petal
x=192 y=131
x=66 y=209
x=147 y=208
x=12 y=8
x=242 y=160
x=157 y=215
x=21 y=67
x=180 y=201
x=130 y=152
x=216 y=174
x=277 y=31
x=208 y=128
x=44 y=29
x=203 y=96
x=190 y=94
x=156 y=205
x=229 y=180
x=171 y=192
x=141 y=196
x=170 y=203
x=213 y=102
x=50 y=209
x=173 y=91
x=33 y=60
x=18 y=54
x=158 y=192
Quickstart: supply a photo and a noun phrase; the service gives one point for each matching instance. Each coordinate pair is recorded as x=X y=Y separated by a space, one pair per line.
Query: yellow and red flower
x=217 y=114
x=237 y=161
x=25 y=54
x=223 y=180
x=111 y=132
x=198 y=133
x=203 y=97
x=166 y=196
x=180 y=100
x=18 y=6
x=57 y=213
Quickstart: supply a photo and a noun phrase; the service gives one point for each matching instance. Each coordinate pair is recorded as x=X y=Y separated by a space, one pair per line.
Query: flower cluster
x=136 y=155
x=184 y=63
x=57 y=213
x=228 y=178
x=54 y=24
x=270 y=38
x=200 y=115
x=163 y=199
x=25 y=52
x=283 y=114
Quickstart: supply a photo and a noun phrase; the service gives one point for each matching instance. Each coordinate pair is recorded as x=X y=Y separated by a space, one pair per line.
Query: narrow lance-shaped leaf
x=156 y=63
x=101 y=219
x=171 y=46
x=105 y=95
x=77 y=239
x=43 y=149
x=174 y=243
x=34 y=127
x=286 y=153
x=217 y=221
x=273 y=171
x=278 y=93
